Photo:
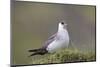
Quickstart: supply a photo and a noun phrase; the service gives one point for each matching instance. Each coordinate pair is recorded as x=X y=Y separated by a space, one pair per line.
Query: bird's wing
x=53 y=36
x=50 y=39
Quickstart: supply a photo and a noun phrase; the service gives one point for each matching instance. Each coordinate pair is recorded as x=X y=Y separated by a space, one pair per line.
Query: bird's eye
x=62 y=22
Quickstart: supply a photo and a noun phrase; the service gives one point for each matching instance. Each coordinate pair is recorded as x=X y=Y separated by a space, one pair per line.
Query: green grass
x=66 y=55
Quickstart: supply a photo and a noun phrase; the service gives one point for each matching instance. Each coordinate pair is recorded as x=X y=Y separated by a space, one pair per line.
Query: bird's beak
x=65 y=24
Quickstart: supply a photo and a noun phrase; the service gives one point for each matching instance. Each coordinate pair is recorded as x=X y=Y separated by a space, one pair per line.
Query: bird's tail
x=38 y=52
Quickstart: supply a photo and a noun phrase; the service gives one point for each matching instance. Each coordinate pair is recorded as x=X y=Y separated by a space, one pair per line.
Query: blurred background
x=33 y=22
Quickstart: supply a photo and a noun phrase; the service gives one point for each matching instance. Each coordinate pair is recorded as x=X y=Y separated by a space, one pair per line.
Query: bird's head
x=62 y=25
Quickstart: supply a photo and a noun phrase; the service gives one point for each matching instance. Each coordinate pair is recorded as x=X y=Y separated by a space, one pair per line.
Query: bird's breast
x=61 y=41
x=63 y=35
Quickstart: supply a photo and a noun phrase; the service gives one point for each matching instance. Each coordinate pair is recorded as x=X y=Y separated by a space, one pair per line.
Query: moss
x=66 y=55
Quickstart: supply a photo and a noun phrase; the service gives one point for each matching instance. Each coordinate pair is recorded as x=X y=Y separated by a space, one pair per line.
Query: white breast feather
x=61 y=42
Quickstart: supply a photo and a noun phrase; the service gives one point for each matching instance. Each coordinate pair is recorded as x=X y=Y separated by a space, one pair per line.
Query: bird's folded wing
x=50 y=40
x=51 y=37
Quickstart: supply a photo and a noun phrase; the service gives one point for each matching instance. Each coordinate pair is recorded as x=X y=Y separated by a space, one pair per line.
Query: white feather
x=61 y=41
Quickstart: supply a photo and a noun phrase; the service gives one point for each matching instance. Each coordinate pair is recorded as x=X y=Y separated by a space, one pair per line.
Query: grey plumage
x=42 y=51
x=57 y=41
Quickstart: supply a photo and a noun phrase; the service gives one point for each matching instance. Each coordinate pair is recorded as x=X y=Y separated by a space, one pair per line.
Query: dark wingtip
x=34 y=50
x=38 y=52
x=30 y=50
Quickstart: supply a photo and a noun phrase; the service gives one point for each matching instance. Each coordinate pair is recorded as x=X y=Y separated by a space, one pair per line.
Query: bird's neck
x=61 y=29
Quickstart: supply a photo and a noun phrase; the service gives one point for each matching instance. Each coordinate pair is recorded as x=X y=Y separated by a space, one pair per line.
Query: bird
x=58 y=41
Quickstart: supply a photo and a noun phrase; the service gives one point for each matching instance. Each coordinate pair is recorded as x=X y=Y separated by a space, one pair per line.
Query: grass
x=66 y=55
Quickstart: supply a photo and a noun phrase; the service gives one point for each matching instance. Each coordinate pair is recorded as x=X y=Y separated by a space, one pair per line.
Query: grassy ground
x=66 y=55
